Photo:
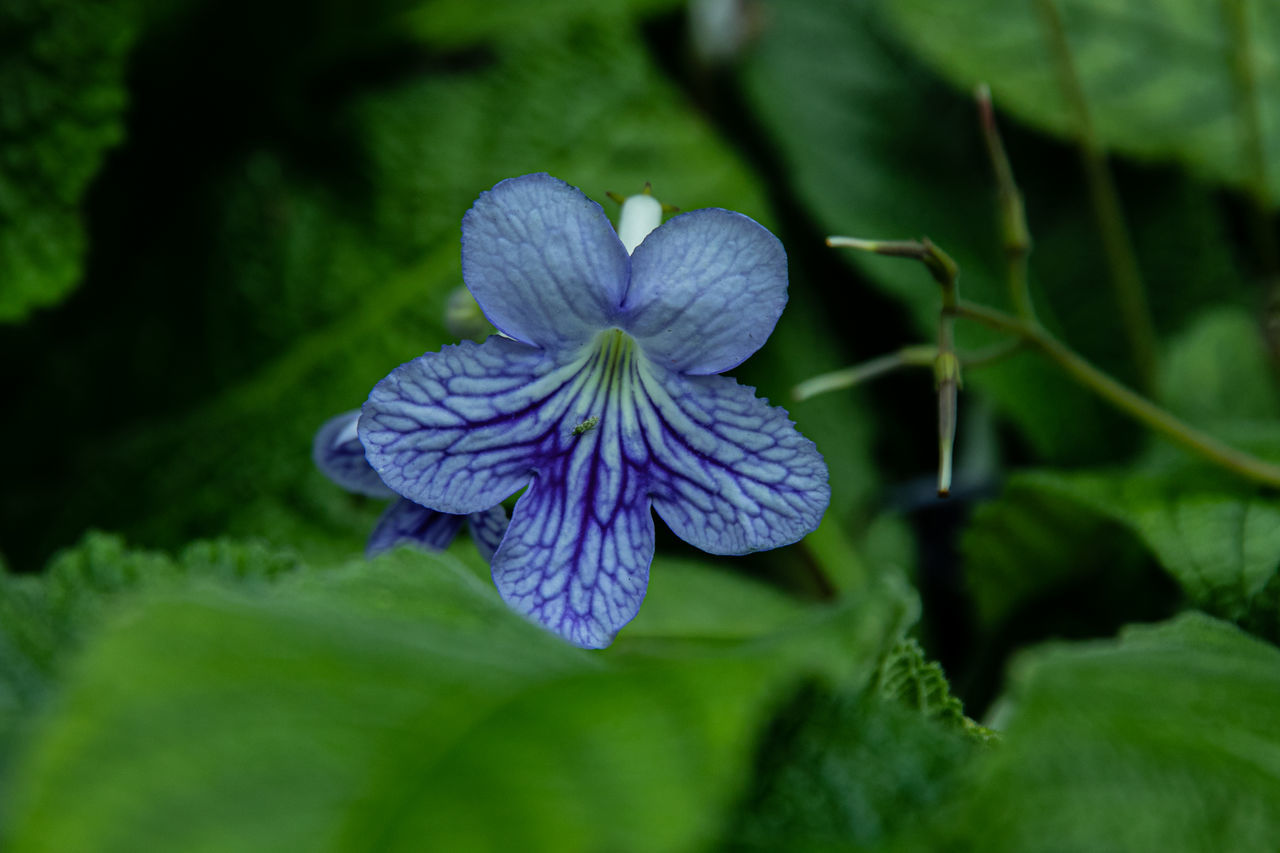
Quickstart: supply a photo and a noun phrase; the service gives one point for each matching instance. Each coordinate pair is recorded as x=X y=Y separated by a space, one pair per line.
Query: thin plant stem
x=1241 y=58
x=1243 y=68
x=922 y=355
x=1126 y=277
x=1124 y=399
x=1014 y=233
x=837 y=380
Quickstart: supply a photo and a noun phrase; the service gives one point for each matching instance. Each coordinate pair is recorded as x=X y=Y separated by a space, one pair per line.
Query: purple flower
x=338 y=454
x=602 y=399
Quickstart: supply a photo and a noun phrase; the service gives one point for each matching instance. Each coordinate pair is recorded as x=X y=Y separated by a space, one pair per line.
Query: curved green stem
x=1124 y=399
x=1126 y=278
x=1253 y=149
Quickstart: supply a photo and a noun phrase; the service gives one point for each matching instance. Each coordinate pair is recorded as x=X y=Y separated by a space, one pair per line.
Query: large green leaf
x=1157 y=76
x=62 y=101
x=1165 y=740
x=400 y=705
x=875 y=146
x=44 y=619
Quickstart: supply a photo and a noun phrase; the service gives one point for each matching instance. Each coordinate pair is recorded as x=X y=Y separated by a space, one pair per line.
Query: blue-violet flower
x=338 y=454
x=601 y=397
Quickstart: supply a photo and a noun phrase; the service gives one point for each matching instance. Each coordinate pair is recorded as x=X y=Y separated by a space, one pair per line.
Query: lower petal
x=407 y=523
x=487 y=529
x=731 y=474
x=576 y=556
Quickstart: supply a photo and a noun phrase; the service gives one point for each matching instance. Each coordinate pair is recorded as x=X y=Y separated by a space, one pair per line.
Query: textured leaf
x=1164 y=740
x=45 y=619
x=401 y=705
x=875 y=147
x=839 y=772
x=1157 y=75
x=908 y=678
x=1221 y=546
x=63 y=96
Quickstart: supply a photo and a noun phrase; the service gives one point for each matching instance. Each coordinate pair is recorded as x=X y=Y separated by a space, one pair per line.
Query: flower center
x=616 y=349
x=604 y=383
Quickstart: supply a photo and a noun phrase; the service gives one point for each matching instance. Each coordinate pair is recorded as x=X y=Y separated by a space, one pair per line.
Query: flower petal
x=543 y=261
x=462 y=429
x=731 y=474
x=707 y=288
x=576 y=556
x=339 y=455
x=487 y=529
x=407 y=523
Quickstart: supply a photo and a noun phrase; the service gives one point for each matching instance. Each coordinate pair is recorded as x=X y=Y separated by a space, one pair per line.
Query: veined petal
x=462 y=429
x=543 y=261
x=576 y=556
x=730 y=473
x=338 y=454
x=707 y=288
x=407 y=523
x=487 y=529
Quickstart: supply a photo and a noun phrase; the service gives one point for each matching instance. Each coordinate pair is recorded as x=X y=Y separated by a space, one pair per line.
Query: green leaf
x=400 y=705
x=1221 y=546
x=1035 y=548
x=1165 y=740
x=907 y=678
x=875 y=146
x=1215 y=535
x=690 y=599
x=1218 y=369
x=45 y=619
x=1157 y=76
x=841 y=772
x=62 y=101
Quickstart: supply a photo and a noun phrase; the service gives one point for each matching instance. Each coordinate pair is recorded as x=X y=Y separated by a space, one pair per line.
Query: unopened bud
x=640 y=215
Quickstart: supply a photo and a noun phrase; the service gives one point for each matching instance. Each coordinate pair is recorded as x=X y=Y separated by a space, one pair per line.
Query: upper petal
x=707 y=288
x=543 y=261
x=461 y=430
x=338 y=454
x=730 y=473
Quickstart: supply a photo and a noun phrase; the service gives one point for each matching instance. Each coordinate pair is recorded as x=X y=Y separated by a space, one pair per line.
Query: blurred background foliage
x=223 y=222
